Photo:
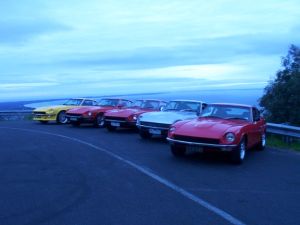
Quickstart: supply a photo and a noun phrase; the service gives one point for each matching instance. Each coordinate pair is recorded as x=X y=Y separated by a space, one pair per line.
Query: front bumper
x=120 y=123
x=220 y=147
x=155 y=130
x=80 y=119
x=44 y=117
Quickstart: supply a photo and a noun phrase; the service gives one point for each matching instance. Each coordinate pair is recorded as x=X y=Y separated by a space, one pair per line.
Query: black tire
x=262 y=144
x=99 y=122
x=110 y=128
x=239 y=153
x=178 y=151
x=61 y=117
x=75 y=124
x=145 y=134
x=44 y=121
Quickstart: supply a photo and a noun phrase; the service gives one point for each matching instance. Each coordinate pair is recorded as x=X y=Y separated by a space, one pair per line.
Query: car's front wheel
x=178 y=151
x=99 y=122
x=61 y=117
x=239 y=153
x=145 y=134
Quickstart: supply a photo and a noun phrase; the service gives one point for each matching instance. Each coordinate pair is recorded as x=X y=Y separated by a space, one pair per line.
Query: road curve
x=54 y=174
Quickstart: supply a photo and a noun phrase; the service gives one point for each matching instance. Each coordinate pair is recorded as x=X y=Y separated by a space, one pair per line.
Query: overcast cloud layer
x=52 y=49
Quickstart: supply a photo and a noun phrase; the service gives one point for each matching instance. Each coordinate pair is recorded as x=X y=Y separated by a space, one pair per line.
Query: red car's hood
x=126 y=112
x=86 y=109
x=209 y=128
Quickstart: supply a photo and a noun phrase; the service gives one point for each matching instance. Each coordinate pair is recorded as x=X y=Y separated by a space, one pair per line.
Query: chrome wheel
x=242 y=150
x=61 y=118
x=100 y=121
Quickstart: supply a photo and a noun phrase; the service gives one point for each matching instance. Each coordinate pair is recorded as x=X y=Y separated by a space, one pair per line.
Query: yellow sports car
x=58 y=113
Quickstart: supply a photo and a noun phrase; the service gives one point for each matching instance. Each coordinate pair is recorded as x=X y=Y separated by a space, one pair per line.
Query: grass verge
x=277 y=141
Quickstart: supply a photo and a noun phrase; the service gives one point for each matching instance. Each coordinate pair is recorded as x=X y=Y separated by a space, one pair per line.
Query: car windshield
x=150 y=104
x=108 y=102
x=182 y=106
x=137 y=104
x=73 y=102
x=226 y=112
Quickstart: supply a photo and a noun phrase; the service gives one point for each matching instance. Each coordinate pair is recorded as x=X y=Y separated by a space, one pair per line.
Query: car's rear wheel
x=145 y=134
x=99 y=122
x=61 y=117
x=110 y=127
x=262 y=144
x=178 y=151
x=239 y=153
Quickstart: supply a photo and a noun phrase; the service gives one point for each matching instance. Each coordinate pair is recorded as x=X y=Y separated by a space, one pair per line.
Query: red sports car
x=223 y=127
x=127 y=117
x=95 y=114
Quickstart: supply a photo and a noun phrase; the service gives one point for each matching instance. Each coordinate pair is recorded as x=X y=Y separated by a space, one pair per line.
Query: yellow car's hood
x=55 y=108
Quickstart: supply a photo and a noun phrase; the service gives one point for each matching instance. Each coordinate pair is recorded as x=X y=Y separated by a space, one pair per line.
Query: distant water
x=240 y=96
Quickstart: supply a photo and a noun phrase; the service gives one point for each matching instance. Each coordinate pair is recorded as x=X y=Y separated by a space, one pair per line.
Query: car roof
x=82 y=99
x=232 y=104
x=150 y=100
x=184 y=100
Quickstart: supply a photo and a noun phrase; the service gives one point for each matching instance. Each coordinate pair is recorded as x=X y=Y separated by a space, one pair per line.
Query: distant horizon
x=130 y=94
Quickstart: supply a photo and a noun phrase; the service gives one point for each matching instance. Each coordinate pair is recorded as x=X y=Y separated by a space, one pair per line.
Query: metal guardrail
x=273 y=128
x=284 y=130
x=15 y=114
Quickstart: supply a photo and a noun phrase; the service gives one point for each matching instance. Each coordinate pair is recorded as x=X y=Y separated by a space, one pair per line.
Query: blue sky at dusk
x=53 y=49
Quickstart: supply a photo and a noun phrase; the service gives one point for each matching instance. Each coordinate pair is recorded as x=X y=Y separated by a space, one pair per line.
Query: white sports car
x=158 y=123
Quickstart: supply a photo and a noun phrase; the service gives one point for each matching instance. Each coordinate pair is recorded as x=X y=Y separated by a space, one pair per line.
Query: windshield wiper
x=236 y=118
x=212 y=117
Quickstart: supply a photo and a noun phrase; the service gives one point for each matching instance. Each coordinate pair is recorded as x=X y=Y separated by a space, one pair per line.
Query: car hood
x=84 y=109
x=166 y=117
x=125 y=112
x=54 y=107
x=209 y=128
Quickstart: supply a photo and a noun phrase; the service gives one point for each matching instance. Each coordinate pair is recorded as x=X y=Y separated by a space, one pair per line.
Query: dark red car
x=95 y=114
x=223 y=127
x=127 y=117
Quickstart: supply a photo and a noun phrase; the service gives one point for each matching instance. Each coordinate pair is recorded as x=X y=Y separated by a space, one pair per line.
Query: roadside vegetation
x=277 y=141
x=281 y=99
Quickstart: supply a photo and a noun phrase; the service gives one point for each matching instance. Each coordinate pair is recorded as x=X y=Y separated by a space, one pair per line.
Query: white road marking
x=154 y=176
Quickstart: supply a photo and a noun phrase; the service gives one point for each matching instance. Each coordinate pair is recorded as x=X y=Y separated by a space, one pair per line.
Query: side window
x=124 y=103
x=95 y=103
x=88 y=102
x=256 y=114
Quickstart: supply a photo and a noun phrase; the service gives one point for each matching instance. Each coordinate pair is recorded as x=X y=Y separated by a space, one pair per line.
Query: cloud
x=16 y=31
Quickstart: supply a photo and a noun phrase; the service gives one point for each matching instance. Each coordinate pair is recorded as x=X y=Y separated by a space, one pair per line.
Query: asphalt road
x=59 y=174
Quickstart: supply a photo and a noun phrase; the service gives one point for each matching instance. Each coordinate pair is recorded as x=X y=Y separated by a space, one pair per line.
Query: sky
x=72 y=48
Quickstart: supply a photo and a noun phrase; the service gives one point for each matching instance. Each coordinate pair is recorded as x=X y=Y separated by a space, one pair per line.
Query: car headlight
x=172 y=129
x=230 y=137
x=134 y=117
x=89 y=113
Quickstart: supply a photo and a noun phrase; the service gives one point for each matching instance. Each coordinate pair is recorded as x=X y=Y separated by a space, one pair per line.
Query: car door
x=256 y=129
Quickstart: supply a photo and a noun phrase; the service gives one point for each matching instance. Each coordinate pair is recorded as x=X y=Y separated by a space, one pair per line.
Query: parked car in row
x=220 y=127
x=158 y=123
x=127 y=118
x=95 y=114
x=58 y=113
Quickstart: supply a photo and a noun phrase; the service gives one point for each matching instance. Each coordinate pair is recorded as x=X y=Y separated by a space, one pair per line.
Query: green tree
x=281 y=99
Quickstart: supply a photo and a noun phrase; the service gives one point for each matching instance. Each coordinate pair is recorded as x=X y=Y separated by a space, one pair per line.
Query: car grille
x=197 y=139
x=115 y=118
x=160 y=125
x=39 y=113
